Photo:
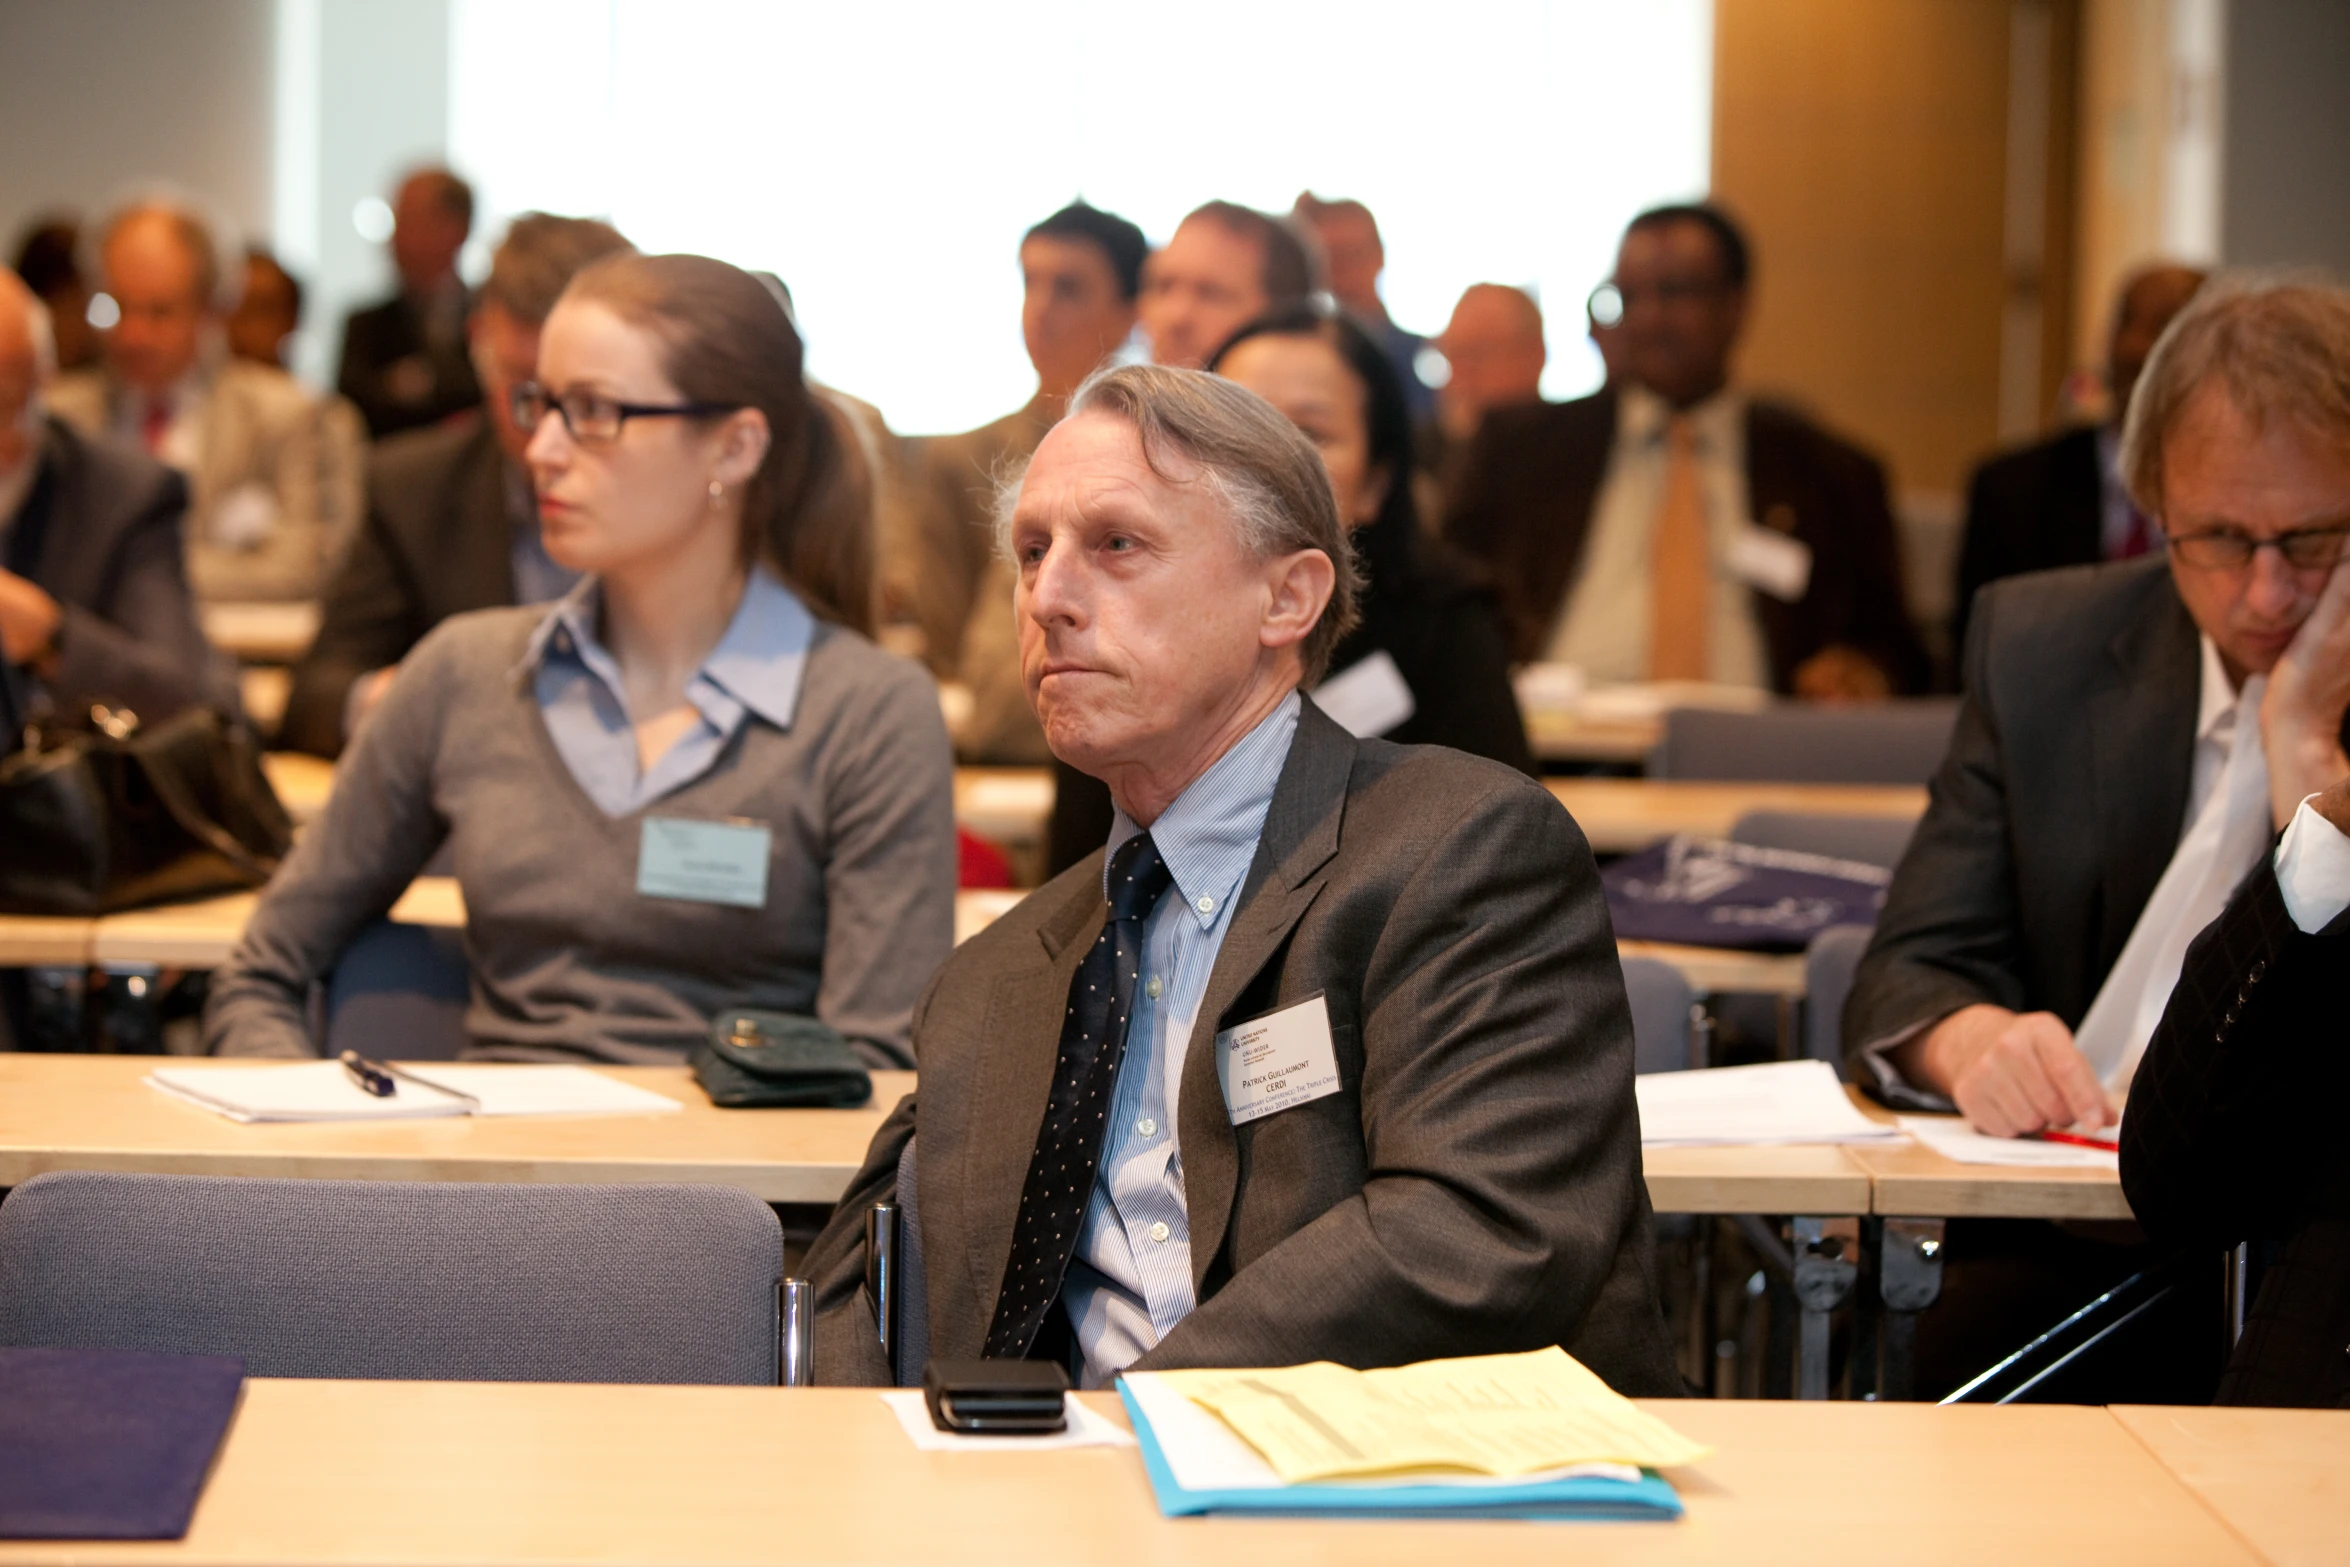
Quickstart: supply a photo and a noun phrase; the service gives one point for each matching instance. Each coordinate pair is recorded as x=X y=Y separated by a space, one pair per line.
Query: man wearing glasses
x=451 y=524
x=2133 y=736
x=1670 y=527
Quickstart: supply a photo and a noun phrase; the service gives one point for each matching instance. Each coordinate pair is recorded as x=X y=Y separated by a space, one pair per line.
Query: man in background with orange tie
x=1670 y=527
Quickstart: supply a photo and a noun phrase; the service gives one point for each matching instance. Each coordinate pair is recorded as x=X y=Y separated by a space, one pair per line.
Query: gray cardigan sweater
x=569 y=961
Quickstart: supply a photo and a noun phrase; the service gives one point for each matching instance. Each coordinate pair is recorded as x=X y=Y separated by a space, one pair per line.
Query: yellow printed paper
x=1489 y=1414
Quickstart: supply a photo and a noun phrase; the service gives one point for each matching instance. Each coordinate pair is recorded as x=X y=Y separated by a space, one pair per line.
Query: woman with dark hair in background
x=1427 y=663
x=689 y=785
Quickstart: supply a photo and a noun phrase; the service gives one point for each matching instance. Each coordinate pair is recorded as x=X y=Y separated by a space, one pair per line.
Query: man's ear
x=1297 y=589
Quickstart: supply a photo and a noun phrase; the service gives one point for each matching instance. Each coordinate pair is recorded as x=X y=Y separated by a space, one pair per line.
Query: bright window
x=885 y=159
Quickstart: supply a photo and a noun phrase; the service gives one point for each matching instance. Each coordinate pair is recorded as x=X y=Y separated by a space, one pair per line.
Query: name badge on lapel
x=1278 y=1061
x=703 y=862
x=1771 y=561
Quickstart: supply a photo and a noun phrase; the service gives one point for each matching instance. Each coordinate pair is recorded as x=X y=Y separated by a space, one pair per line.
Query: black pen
x=369 y=1075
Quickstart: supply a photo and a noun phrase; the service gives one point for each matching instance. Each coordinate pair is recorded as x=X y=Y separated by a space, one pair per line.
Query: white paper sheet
x=518 y=1089
x=1086 y=1429
x=1776 y=1102
x=323 y=1091
x=1952 y=1138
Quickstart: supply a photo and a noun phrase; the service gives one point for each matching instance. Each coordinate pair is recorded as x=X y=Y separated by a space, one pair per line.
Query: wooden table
x=1725 y=971
x=302 y=782
x=261 y=633
x=1620 y=815
x=485 y=1474
x=63 y=1112
x=1910 y=1180
x=29 y=939
x=2279 y=1477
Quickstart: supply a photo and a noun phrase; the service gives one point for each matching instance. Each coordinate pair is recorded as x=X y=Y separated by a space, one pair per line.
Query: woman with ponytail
x=692 y=784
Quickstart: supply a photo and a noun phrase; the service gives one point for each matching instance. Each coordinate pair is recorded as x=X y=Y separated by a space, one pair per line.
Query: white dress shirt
x=2228 y=828
x=1604 y=628
x=2313 y=870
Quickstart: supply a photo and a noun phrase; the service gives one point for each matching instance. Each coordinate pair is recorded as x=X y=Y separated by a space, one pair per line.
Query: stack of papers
x=1530 y=1436
x=1952 y=1138
x=323 y=1091
x=1776 y=1102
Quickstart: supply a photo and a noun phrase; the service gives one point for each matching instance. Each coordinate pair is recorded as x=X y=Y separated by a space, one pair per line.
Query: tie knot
x=1138 y=876
x=1680 y=435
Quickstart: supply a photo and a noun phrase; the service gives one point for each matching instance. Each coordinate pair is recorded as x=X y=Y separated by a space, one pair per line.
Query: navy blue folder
x=108 y=1444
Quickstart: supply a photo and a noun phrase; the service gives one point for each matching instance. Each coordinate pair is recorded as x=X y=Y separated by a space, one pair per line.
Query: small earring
x=717 y=492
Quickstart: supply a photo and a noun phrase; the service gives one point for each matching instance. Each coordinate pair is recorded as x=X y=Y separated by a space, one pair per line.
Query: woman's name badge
x=1277 y=1061
x=704 y=862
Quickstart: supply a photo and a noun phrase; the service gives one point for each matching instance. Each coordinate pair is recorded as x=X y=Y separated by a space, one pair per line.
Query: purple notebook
x=108 y=1444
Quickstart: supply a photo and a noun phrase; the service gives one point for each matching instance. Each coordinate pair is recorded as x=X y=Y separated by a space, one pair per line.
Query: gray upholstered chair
x=1828 y=966
x=1898 y=742
x=1872 y=840
x=1662 y=1004
x=396 y=1279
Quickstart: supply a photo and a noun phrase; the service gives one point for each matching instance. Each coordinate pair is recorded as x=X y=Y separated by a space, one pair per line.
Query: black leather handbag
x=756 y=1060
x=112 y=815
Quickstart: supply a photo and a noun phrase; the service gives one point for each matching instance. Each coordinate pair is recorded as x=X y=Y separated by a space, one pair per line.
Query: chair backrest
x=1661 y=1000
x=913 y=1347
x=397 y=1279
x=1828 y=966
x=399 y=991
x=1899 y=742
x=1872 y=840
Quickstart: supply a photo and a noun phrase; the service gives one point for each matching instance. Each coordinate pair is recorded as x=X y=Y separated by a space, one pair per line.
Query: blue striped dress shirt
x=1130 y=1279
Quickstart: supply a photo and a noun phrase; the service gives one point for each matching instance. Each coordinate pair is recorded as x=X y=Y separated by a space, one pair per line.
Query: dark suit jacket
x=1424 y=606
x=2056 y=811
x=100 y=533
x=380 y=337
x=2233 y=1133
x=435 y=542
x=2034 y=509
x=1473 y=1187
x=1528 y=486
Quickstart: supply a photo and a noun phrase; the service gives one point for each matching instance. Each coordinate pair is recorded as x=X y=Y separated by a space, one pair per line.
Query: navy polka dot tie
x=1069 y=1142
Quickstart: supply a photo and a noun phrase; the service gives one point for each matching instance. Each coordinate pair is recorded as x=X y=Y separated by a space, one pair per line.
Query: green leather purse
x=756 y=1060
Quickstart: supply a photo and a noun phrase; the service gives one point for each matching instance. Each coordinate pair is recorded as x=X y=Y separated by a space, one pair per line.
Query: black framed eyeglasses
x=2232 y=549
x=593 y=417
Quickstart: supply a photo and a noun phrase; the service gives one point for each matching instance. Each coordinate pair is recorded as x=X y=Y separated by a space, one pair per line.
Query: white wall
x=100 y=96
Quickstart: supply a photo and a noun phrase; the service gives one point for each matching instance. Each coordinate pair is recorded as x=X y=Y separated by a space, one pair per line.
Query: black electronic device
x=997 y=1397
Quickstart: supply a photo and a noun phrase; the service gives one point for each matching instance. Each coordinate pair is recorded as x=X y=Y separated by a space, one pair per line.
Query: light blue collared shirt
x=1130 y=1278
x=755 y=668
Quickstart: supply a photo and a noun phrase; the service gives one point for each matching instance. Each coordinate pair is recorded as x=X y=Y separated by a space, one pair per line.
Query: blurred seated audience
x=691 y=784
x=1225 y=266
x=2132 y=735
x=1426 y=662
x=406 y=360
x=2061 y=501
x=451 y=524
x=2234 y=1130
x=49 y=259
x=1353 y=257
x=1080 y=271
x=1496 y=352
x=273 y=468
x=94 y=602
x=268 y=312
x=1672 y=527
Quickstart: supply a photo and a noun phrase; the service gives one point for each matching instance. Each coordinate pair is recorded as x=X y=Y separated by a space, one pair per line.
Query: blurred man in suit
x=451 y=522
x=94 y=602
x=1673 y=528
x=1449 y=1163
x=49 y=259
x=268 y=313
x=1495 y=349
x=1353 y=257
x=1225 y=266
x=1080 y=272
x=2234 y=1125
x=273 y=470
x=2061 y=502
x=405 y=360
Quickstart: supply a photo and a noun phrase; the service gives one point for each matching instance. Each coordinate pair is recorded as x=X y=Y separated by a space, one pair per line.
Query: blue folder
x=108 y=1444
x=1591 y=1497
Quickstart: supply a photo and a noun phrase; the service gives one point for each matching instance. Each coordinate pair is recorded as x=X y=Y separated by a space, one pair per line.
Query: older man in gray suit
x=1327 y=1056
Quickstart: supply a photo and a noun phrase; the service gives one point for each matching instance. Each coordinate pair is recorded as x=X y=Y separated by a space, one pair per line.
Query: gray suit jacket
x=2056 y=811
x=100 y=533
x=437 y=541
x=1473 y=1187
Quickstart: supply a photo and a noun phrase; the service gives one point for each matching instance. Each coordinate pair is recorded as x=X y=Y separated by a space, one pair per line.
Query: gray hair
x=2278 y=344
x=1264 y=473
